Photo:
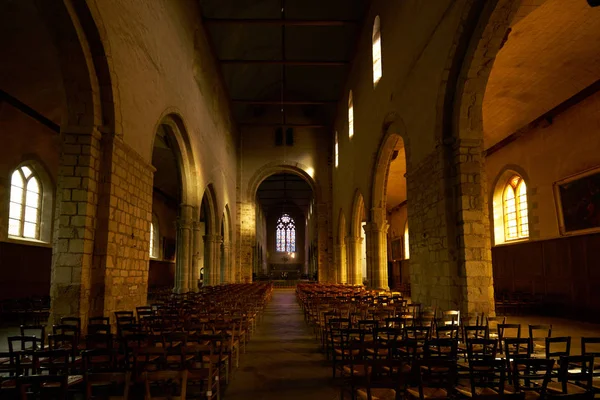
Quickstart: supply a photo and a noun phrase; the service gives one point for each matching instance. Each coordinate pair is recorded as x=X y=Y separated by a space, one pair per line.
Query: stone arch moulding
x=341 y=236
x=393 y=130
x=227 y=236
x=175 y=125
x=487 y=26
x=496 y=201
x=212 y=218
x=358 y=210
x=85 y=69
x=277 y=167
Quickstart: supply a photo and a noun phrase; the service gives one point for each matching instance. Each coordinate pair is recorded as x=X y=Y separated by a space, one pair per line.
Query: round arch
x=358 y=214
x=470 y=66
x=277 y=167
x=209 y=200
x=394 y=131
x=175 y=128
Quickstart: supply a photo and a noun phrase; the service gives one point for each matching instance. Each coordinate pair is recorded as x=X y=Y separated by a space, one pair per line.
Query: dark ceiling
x=278 y=190
x=295 y=52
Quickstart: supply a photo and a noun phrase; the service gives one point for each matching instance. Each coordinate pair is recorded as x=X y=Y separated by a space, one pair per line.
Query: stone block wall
x=128 y=230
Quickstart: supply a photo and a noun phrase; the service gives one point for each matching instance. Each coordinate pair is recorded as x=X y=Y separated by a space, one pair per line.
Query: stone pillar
x=184 y=245
x=376 y=236
x=472 y=227
x=228 y=276
x=248 y=239
x=211 y=250
x=450 y=260
x=342 y=269
x=73 y=240
x=198 y=254
x=353 y=246
x=325 y=263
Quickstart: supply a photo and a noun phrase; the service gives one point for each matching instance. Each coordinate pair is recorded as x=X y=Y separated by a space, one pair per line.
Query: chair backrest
x=115 y=383
x=99 y=360
x=18 y=343
x=436 y=373
x=53 y=362
x=475 y=332
x=583 y=375
x=39 y=331
x=558 y=346
x=170 y=385
x=532 y=374
x=42 y=385
x=75 y=321
x=417 y=332
x=487 y=374
x=447 y=331
x=517 y=348
x=481 y=349
x=441 y=348
x=509 y=331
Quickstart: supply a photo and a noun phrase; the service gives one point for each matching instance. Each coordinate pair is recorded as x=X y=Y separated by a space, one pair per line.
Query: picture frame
x=396 y=249
x=577 y=199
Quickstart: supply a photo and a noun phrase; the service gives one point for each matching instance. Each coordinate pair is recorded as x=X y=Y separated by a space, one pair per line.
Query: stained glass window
x=25 y=204
x=285 y=237
x=516 y=221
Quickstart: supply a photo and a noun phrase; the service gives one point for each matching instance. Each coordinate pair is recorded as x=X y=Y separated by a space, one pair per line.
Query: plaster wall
x=547 y=154
x=163 y=64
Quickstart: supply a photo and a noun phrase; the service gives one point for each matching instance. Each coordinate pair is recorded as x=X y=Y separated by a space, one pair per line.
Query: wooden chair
x=165 y=385
x=573 y=380
x=114 y=385
x=435 y=379
x=42 y=386
x=531 y=376
x=538 y=335
x=203 y=377
x=486 y=377
x=508 y=331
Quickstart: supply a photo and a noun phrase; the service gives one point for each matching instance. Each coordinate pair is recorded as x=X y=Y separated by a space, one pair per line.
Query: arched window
x=336 y=150
x=406 y=243
x=514 y=199
x=286 y=234
x=25 y=204
x=154 y=238
x=377 y=71
x=350 y=116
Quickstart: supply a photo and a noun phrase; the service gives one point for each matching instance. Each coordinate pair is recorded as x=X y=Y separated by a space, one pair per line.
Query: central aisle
x=282 y=360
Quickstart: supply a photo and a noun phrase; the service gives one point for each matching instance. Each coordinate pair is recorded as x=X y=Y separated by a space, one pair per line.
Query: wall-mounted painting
x=578 y=202
x=396 y=249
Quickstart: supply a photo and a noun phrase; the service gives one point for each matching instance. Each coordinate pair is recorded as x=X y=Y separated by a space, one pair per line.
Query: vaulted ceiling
x=284 y=54
x=280 y=190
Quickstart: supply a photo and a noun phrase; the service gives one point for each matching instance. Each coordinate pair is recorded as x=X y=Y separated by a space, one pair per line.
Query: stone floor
x=282 y=360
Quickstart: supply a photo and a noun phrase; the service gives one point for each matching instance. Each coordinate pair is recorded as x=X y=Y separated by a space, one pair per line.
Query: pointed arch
x=359 y=214
x=510 y=215
x=209 y=202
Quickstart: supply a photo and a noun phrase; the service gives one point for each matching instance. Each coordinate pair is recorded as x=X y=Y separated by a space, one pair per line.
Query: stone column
x=184 y=245
x=376 y=236
x=323 y=235
x=353 y=246
x=247 y=222
x=342 y=270
x=198 y=255
x=74 y=229
x=226 y=246
x=211 y=248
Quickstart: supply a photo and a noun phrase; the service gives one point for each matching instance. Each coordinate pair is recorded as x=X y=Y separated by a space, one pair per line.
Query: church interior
x=354 y=199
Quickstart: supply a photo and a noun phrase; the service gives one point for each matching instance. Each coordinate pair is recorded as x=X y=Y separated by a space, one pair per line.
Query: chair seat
x=466 y=391
x=556 y=387
x=377 y=394
x=428 y=393
x=356 y=370
x=347 y=352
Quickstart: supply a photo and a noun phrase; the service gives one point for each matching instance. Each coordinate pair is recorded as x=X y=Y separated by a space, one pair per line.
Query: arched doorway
x=390 y=210
x=208 y=242
x=284 y=201
x=227 y=272
x=356 y=244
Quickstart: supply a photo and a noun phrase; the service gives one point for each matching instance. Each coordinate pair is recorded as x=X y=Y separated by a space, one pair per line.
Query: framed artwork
x=578 y=203
x=397 y=249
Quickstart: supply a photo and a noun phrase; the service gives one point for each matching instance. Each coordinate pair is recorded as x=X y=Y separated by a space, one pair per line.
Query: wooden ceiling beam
x=277 y=22
x=285 y=103
x=301 y=63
